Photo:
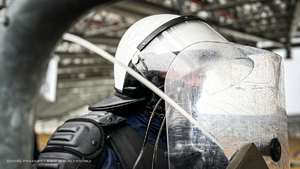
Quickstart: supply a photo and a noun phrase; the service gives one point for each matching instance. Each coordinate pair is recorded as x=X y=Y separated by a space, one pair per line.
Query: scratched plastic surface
x=236 y=93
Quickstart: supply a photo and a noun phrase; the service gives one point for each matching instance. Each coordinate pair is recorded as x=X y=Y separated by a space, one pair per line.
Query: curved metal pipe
x=29 y=32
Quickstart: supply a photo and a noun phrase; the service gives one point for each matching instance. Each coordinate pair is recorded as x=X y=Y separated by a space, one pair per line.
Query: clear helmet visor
x=236 y=93
x=153 y=62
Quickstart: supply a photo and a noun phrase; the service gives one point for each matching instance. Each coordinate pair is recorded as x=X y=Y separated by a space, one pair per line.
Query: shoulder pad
x=82 y=137
x=75 y=140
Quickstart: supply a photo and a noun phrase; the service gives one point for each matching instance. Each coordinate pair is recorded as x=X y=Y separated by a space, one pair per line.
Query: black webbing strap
x=164 y=27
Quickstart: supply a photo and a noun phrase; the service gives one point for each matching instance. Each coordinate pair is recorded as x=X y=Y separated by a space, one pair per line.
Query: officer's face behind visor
x=153 y=61
x=157 y=72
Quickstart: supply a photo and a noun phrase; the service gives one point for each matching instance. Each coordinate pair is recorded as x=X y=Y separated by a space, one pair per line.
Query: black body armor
x=80 y=144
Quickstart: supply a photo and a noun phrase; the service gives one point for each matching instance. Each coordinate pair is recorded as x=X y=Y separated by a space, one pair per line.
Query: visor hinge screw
x=135 y=59
x=109 y=119
x=94 y=143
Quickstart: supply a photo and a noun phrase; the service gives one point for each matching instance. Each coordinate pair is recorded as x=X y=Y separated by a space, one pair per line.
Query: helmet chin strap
x=94 y=48
x=156 y=143
x=146 y=135
x=152 y=104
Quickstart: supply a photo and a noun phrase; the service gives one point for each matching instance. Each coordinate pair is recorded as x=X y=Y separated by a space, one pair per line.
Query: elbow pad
x=78 y=143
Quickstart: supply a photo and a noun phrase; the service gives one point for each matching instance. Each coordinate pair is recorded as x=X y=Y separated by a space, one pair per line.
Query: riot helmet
x=149 y=46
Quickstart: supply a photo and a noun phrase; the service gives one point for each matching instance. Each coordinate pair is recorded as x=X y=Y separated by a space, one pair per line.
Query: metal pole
x=29 y=32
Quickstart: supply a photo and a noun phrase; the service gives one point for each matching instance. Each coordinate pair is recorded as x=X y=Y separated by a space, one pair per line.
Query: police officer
x=121 y=130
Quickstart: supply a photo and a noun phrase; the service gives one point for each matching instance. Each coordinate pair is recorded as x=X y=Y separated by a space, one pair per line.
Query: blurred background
x=77 y=78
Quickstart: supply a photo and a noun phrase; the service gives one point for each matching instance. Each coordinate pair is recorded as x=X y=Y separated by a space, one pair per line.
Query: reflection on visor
x=151 y=61
x=153 y=66
x=211 y=69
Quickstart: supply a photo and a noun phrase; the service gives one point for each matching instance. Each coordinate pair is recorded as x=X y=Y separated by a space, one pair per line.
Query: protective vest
x=127 y=145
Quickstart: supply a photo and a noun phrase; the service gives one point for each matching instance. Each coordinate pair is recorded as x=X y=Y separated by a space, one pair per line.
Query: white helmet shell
x=132 y=38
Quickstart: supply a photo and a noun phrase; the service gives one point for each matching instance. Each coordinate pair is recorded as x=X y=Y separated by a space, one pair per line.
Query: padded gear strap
x=78 y=143
x=127 y=144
